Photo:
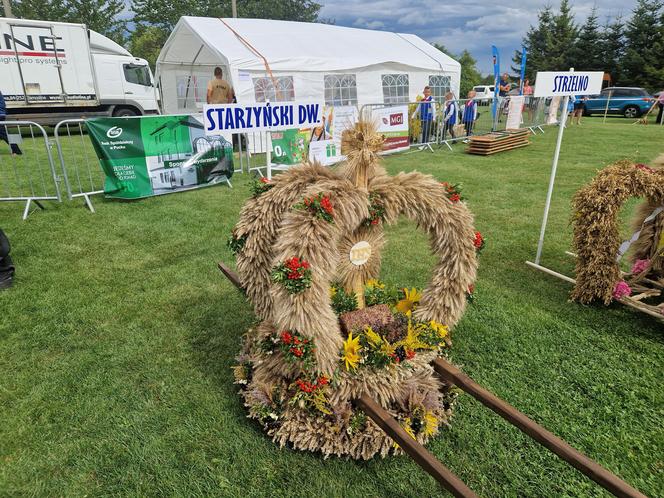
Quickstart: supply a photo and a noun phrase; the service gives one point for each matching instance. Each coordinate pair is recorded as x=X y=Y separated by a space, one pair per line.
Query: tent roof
x=296 y=46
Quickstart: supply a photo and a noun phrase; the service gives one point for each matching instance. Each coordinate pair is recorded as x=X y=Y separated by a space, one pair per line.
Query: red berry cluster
x=401 y=354
x=479 y=241
x=320 y=205
x=309 y=387
x=295 y=345
x=296 y=268
x=453 y=191
x=645 y=168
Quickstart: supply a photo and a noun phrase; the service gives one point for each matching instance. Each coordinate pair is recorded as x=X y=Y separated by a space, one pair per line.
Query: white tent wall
x=243 y=46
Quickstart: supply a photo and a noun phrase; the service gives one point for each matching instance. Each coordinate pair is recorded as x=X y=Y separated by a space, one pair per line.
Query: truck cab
x=125 y=84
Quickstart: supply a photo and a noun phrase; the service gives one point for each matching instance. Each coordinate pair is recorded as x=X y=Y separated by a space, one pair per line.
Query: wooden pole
x=590 y=468
x=415 y=450
x=8 y=8
x=230 y=275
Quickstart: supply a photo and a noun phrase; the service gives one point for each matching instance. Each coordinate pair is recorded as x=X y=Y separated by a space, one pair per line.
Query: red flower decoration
x=645 y=168
x=286 y=337
x=264 y=180
x=479 y=240
x=410 y=354
x=455 y=197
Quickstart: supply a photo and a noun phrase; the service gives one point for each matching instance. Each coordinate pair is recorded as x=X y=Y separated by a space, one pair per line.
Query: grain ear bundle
x=295 y=242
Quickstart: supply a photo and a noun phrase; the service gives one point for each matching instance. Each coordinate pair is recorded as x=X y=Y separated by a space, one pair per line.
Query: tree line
x=151 y=21
x=630 y=50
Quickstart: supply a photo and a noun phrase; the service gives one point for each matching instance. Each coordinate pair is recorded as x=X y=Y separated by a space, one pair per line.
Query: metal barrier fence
x=78 y=160
x=27 y=173
x=456 y=120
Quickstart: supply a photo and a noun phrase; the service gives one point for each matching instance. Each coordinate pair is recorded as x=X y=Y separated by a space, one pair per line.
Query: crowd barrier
x=34 y=176
x=80 y=169
x=443 y=125
x=28 y=175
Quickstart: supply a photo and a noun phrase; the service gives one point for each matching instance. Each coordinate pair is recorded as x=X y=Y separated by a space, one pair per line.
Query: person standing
x=660 y=103
x=504 y=87
x=3 y=129
x=469 y=113
x=219 y=91
x=579 y=106
x=427 y=113
x=528 y=101
x=450 y=115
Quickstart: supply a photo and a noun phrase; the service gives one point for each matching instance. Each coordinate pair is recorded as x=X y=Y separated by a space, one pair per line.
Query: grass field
x=117 y=340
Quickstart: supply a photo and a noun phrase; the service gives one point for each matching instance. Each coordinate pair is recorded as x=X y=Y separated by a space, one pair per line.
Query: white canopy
x=303 y=52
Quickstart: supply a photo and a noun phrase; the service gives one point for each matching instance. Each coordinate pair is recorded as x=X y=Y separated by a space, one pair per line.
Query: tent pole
x=234 y=7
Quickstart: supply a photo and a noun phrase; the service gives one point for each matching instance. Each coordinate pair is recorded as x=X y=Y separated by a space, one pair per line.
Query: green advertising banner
x=154 y=155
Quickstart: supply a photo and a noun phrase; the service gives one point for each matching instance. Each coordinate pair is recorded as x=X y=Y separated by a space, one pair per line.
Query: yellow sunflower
x=430 y=423
x=376 y=284
x=373 y=338
x=351 y=354
x=410 y=301
x=439 y=328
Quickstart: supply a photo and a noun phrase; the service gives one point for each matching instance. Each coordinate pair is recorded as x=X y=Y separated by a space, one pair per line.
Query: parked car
x=631 y=102
x=484 y=94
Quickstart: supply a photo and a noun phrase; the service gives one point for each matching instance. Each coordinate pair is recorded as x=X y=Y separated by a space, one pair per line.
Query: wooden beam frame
x=581 y=462
x=415 y=450
x=442 y=474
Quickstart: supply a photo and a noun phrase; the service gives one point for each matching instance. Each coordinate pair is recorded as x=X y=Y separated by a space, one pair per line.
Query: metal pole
x=606 y=109
x=234 y=7
x=554 y=167
x=8 y=8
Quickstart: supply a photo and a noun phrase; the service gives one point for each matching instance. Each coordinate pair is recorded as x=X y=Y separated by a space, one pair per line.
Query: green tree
x=146 y=42
x=166 y=13
x=539 y=45
x=565 y=33
x=642 y=63
x=613 y=49
x=588 y=54
x=99 y=15
x=470 y=75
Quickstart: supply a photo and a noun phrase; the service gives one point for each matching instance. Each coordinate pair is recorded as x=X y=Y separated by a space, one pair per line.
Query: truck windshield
x=137 y=74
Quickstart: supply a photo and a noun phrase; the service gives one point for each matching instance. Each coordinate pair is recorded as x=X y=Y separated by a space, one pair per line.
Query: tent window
x=395 y=88
x=440 y=85
x=191 y=89
x=264 y=89
x=340 y=89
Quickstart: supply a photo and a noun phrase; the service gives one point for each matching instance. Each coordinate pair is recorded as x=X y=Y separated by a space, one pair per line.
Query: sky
x=469 y=24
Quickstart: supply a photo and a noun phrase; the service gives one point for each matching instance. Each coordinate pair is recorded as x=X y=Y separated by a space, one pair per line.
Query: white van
x=53 y=71
x=484 y=94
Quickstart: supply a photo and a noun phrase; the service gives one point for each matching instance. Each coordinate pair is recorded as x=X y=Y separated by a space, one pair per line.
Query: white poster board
x=393 y=124
x=563 y=83
x=515 y=112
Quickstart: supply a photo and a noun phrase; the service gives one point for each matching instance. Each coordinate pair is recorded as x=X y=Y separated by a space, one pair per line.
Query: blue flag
x=523 y=69
x=496 y=79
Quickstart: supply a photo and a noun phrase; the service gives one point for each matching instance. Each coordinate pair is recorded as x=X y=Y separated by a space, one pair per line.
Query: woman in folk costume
x=469 y=113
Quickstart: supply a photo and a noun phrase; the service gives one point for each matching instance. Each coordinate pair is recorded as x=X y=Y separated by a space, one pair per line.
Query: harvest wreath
x=597 y=238
x=308 y=247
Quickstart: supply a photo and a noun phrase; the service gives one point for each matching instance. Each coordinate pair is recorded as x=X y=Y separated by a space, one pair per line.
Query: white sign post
x=561 y=84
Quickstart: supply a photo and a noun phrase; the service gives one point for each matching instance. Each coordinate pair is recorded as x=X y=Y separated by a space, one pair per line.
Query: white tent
x=305 y=61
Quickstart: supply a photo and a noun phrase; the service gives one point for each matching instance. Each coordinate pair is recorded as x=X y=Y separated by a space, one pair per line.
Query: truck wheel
x=631 y=111
x=124 y=112
x=586 y=112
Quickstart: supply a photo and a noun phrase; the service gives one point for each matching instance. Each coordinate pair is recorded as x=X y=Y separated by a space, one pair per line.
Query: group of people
x=426 y=111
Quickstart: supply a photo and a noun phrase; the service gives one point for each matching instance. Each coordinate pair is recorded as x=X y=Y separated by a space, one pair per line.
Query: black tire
x=125 y=112
x=586 y=112
x=631 y=111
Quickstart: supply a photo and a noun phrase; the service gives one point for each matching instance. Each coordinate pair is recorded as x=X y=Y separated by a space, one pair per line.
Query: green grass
x=117 y=340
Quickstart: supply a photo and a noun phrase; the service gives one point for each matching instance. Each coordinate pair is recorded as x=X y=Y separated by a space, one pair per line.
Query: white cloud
x=472 y=25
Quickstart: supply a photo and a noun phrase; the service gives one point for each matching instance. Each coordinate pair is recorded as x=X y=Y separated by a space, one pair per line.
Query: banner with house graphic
x=154 y=155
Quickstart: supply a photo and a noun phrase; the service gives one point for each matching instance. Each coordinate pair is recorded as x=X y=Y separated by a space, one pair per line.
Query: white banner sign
x=240 y=118
x=554 y=83
x=514 y=112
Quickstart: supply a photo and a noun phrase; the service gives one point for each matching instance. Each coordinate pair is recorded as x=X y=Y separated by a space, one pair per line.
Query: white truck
x=50 y=71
